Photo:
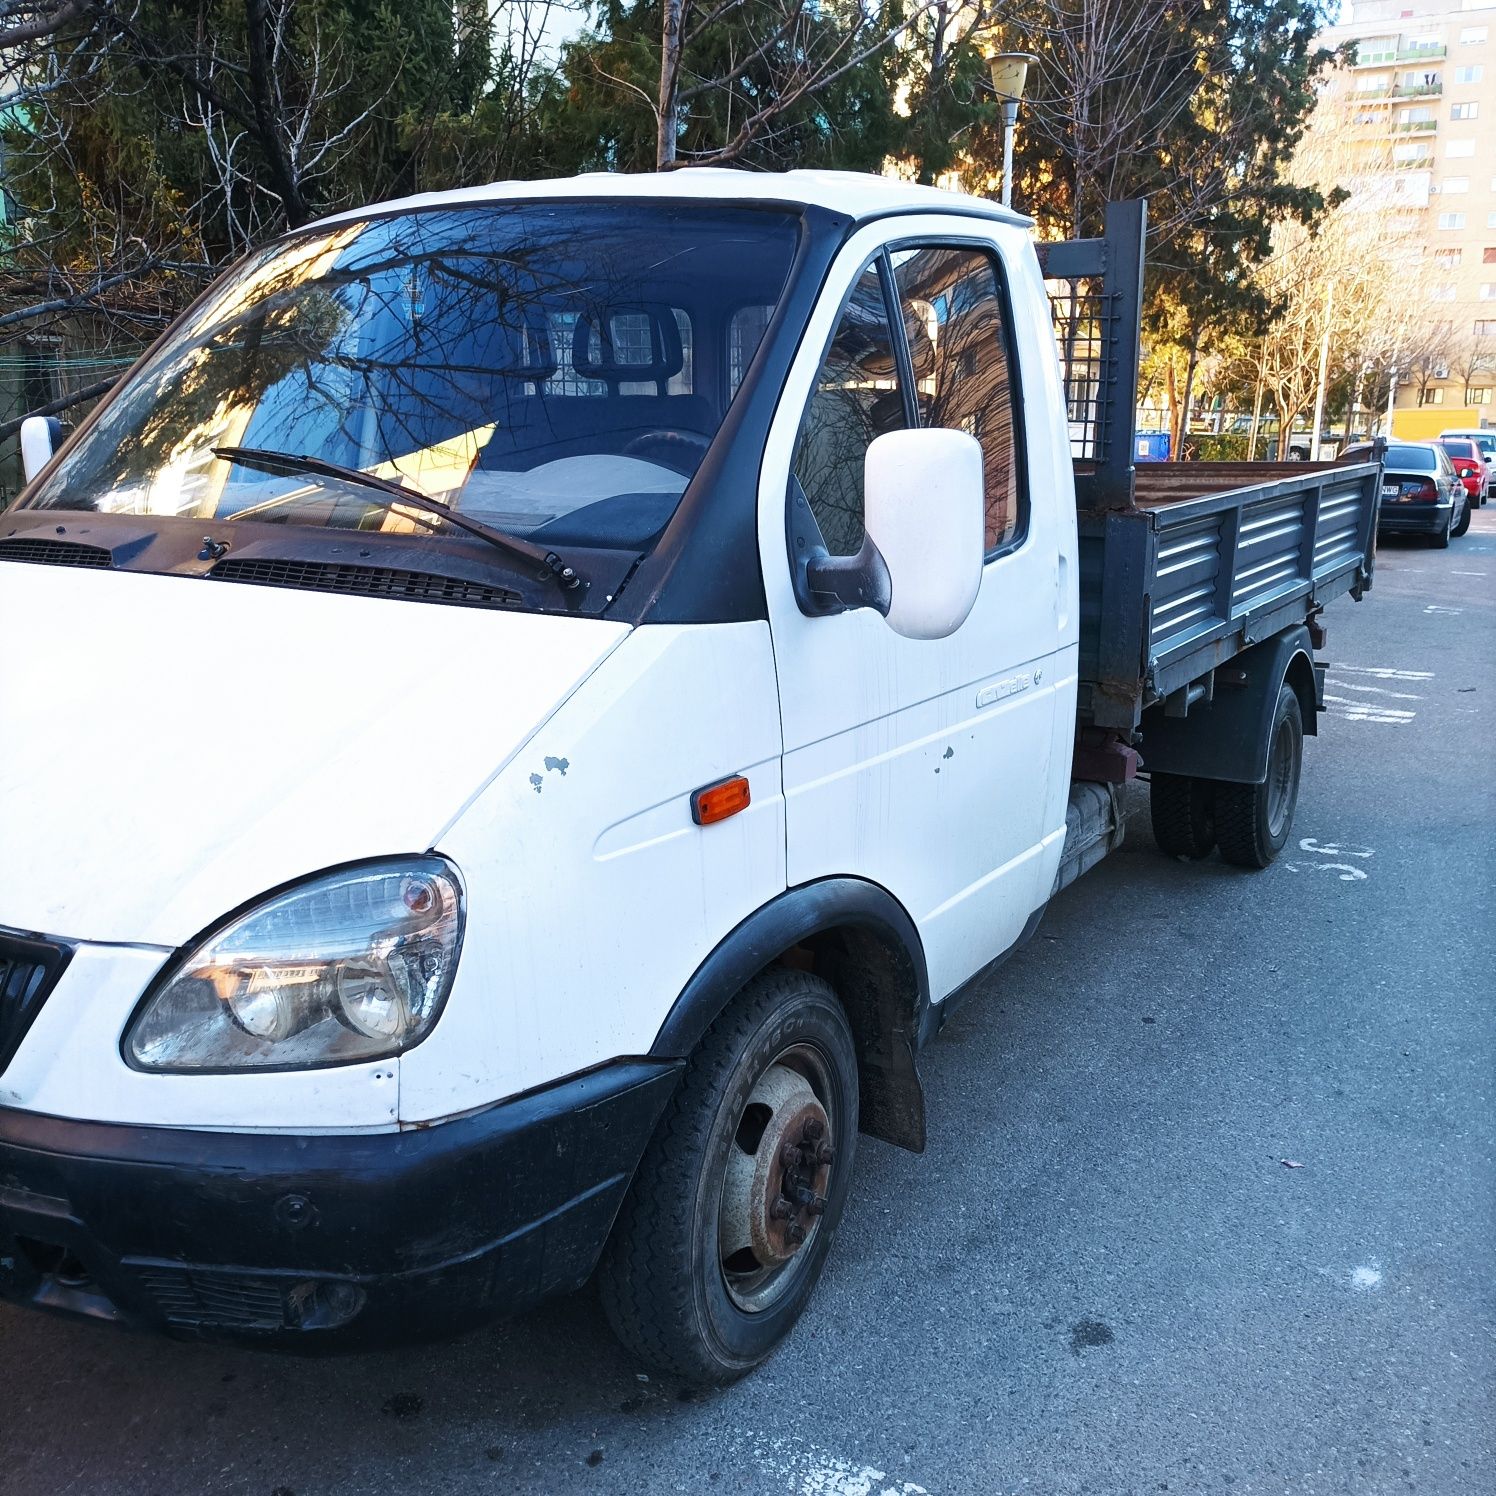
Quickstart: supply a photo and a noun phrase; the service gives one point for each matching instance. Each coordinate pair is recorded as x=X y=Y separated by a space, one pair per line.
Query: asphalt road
x=1101 y=1277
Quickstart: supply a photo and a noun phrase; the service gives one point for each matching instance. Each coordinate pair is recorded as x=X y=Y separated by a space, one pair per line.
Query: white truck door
x=923 y=766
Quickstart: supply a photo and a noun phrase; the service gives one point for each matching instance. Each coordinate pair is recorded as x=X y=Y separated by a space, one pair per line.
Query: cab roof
x=859 y=195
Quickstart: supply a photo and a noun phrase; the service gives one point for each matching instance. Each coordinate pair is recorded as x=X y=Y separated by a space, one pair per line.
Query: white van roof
x=857 y=194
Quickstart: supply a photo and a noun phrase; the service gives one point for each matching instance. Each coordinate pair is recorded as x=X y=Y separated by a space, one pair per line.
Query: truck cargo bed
x=1202 y=567
x=1182 y=564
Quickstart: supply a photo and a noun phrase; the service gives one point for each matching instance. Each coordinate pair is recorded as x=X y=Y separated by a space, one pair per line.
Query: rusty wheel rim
x=775 y=1185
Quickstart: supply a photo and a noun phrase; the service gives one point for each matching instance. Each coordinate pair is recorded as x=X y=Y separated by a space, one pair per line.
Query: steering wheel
x=680 y=451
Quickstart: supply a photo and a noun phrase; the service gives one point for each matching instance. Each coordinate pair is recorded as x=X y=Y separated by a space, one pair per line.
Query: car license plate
x=1390 y=490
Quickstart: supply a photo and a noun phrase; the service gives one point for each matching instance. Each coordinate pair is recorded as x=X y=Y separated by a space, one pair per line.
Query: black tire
x=1440 y=542
x=1253 y=821
x=665 y=1288
x=1182 y=808
x=1464 y=523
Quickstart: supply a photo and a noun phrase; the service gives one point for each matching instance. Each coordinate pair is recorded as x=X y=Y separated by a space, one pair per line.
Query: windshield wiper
x=549 y=567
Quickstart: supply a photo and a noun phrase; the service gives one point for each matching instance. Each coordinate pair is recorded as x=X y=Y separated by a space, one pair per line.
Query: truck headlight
x=349 y=966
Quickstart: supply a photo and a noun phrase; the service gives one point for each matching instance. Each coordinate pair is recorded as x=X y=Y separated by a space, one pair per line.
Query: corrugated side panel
x=1184 y=582
x=1337 y=537
x=1267 y=550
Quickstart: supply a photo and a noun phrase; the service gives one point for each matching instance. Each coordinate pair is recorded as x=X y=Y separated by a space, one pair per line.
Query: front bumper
x=311 y=1239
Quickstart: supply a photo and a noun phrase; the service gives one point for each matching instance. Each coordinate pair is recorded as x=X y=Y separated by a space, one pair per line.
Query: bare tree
x=1425 y=355
x=1358 y=282
x=1468 y=358
x=1108 y=93
x=761 y=61
x=25 y=21
x=254 y=116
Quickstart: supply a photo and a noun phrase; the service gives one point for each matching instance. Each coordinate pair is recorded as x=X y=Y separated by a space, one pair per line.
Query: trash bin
x=1151 y=446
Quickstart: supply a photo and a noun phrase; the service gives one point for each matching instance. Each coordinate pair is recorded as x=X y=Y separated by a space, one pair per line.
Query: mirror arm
x=832 y=584
x=860 y=581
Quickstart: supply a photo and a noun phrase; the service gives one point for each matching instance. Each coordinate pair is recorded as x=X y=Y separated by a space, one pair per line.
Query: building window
x=1485 y=327
x=1376 y=49
x=1472 y=36
x=1455 y=184
x=1447 y=259
x=1451 y=220
x=1431 y=397
x=1488 y=255
x=1442 y=293
x=1465 y=111
x=1491 y=220
x=1472 y=73
x=1488 y=291
x=1459 y=147
x=1481 y=396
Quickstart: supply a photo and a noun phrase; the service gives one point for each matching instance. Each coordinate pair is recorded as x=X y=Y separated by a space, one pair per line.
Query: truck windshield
x=554 y=370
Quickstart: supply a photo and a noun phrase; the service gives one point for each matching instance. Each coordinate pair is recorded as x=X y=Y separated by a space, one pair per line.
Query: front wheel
x=727 y=1225
x=1253 y=820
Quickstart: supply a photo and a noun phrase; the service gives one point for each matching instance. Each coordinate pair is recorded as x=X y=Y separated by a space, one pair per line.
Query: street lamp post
x=1009 y=72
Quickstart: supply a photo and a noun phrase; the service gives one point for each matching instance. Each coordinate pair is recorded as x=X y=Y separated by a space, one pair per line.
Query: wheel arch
x=858 y=937
x=1226 y=738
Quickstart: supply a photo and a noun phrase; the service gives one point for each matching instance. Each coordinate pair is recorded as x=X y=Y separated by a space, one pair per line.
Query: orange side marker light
x=715 y=802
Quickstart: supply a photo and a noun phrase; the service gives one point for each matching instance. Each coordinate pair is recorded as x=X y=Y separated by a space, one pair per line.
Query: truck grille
x=54 y=552
x=29 y=969
x=368 y=581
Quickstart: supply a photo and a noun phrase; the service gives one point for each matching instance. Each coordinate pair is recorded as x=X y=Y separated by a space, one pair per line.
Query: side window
x=856 y=398
x=963 y=374
x=744 y=333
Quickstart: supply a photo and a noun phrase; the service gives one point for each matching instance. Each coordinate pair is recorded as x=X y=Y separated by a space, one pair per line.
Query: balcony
x=1414 y=126
x=1395 y=93
x=1390 y=58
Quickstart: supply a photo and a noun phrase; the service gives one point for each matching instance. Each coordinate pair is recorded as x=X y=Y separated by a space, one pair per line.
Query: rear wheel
x=1464 y=523
x=1440 y=541
x=1182 y=808
x=1253 y=820
x=729 y=1220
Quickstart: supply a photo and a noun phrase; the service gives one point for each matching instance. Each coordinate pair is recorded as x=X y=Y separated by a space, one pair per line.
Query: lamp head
x=1009 y=73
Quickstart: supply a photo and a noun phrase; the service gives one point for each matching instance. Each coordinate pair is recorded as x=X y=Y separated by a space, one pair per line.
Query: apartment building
x=1419 y=97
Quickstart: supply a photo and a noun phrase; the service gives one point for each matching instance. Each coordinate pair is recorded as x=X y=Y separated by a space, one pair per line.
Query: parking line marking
x=1350 y=685
x=1381 y=672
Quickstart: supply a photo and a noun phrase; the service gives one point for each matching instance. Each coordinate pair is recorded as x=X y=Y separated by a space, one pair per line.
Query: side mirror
x=40 y=436
x=926 y=514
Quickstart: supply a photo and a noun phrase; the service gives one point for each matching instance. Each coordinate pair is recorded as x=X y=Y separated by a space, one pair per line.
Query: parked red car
x=1470 y=466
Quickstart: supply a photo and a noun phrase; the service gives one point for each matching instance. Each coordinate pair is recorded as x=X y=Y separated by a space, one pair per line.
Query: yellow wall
x=1420 y=425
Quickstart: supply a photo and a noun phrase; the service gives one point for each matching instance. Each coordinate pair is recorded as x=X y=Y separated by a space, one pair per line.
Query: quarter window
x=857 y=397
x=952 y=306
